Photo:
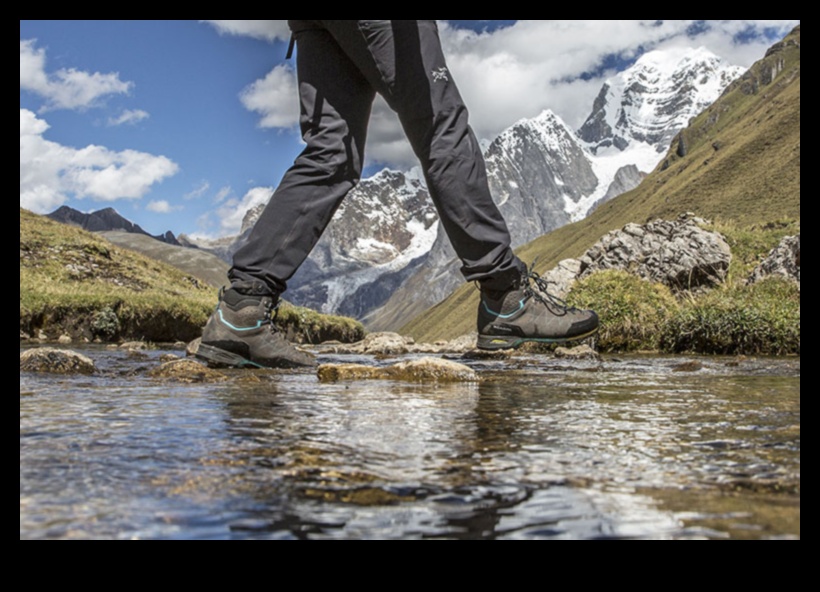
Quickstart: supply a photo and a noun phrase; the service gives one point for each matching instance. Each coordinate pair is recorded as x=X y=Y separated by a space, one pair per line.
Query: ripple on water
x=622 y=448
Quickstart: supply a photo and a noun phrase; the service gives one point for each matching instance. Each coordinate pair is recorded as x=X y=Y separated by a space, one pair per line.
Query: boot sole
x=221 y=357
x=506 y=342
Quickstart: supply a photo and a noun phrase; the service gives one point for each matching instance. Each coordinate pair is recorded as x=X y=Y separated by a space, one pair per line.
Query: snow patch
x=339 y=288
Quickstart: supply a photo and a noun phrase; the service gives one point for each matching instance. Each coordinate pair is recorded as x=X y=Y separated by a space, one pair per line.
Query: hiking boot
x=528 y=312
x=241 y=333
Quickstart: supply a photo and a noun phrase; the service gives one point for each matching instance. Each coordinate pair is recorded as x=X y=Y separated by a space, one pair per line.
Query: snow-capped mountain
x=655 y=98
x=385 y=224
x=384 y=258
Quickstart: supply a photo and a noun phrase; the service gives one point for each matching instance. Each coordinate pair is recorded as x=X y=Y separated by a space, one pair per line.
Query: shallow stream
x=635 y=447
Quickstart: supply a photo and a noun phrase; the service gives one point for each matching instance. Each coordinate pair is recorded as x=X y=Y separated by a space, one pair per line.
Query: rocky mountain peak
x=650 y=101
x=104 y=220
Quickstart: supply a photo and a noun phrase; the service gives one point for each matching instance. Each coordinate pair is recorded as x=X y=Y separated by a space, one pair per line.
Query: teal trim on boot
x=241 y=333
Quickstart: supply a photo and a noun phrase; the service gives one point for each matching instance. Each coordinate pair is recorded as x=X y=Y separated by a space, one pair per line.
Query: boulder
x=383 y=343
x=561 y=277
x=462 y=344
x=783 y=260
x=679 y=253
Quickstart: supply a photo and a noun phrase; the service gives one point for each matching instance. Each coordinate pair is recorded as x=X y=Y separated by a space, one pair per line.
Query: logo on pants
x=440 y=75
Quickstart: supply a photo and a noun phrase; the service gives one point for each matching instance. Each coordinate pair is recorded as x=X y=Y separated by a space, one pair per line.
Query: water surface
x=642 y=447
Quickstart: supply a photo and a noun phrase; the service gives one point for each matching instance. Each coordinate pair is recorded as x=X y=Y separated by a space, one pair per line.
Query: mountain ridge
x=104 y=220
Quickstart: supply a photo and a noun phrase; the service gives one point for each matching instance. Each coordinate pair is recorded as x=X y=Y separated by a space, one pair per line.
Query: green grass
x=76 y=282
x=630 y=309
x=760 y=319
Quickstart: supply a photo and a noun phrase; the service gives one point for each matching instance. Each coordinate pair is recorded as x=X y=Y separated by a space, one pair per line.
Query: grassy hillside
x=737 y=163
x=77 y=283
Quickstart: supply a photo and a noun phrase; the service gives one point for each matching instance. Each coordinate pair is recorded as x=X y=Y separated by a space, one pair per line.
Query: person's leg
x=335 y=109
x=404 y=62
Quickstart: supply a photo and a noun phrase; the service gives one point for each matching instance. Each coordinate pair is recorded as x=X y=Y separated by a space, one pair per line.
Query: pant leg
x=335 y=103
x=403 y=61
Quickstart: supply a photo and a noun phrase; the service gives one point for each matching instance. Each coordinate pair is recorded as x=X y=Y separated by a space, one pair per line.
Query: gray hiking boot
x=527 y=312
x=241 y=333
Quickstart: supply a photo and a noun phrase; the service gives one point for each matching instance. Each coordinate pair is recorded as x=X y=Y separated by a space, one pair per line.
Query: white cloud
x=65 y=88
x=222 y=194
x=267 y=30
x=274 y=98
x=226 y=219
x=161 y=206
x=231 y=212
x=198 y=191
x=51 y=172
x=129 y=116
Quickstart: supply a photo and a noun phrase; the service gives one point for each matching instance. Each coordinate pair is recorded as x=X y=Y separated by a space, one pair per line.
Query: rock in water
x=185 y=370
x=579 y=352
x=57 y=361
x=426 y=369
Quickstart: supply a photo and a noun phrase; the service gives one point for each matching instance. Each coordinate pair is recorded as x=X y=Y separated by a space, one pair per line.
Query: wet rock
x=58 y=361
x=133 y=345
x=184 y=370
x=579 y=352
x=690 y=366
x=380 y=343
x=384 y=342
x=488 y=354
x=332 y=372
x=64 y=339
x=192 y=347
x=783 y=260
x=432 y=369
x=420 y=370
x=462 y=344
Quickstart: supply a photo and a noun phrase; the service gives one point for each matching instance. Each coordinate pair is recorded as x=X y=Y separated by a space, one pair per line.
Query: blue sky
x=183 y=125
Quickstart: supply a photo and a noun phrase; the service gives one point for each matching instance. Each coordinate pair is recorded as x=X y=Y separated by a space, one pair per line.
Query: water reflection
x=624 y=448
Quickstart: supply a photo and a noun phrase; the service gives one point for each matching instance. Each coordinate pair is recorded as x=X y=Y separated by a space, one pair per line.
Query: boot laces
x=270 y=315
x=537 y=287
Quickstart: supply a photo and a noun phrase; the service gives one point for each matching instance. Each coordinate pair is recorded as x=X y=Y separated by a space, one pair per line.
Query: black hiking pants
x=341 y=65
